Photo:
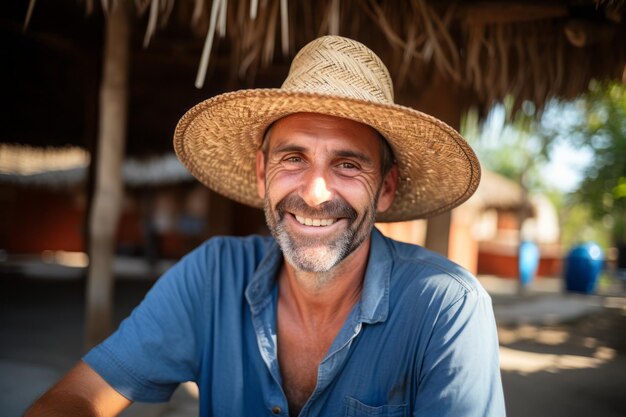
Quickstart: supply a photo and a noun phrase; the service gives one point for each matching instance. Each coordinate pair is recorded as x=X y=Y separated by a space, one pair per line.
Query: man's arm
x=82 y=392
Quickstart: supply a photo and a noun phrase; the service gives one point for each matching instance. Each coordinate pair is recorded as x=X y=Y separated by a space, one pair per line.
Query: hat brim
x=217 y=141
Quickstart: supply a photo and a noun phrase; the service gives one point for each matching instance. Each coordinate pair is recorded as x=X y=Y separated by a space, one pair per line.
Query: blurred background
x=94 y=205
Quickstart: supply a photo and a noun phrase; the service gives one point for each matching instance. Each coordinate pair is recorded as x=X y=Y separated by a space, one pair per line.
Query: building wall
x=506 y=265
x=157 y=222
x=34 y=220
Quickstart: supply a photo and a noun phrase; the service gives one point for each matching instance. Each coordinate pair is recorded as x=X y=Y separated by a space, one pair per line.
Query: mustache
x=330 y=209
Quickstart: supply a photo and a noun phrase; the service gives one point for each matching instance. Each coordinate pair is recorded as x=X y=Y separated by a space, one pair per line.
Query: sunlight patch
x=525 y=363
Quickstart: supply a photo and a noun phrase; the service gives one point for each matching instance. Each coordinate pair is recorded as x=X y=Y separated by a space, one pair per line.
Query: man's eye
x=293 y=159
x=347 y=165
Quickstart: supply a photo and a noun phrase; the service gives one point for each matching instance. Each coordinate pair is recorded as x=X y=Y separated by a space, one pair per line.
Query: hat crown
x=340 y=66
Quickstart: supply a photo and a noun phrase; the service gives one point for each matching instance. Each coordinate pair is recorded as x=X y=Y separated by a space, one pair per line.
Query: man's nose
x=316 y=191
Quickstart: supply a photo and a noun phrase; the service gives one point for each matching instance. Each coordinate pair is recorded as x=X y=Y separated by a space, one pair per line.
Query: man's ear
x=260 y=173
x=388 y=189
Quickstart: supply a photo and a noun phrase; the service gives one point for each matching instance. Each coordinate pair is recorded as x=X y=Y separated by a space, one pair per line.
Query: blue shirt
x=421 y=341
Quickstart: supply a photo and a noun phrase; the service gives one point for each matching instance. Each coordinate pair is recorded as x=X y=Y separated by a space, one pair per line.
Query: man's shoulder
x=253 y=246
x=226 y=255
x=428 y=267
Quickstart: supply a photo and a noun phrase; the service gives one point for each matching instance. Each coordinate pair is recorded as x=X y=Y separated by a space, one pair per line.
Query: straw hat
x=217 y=140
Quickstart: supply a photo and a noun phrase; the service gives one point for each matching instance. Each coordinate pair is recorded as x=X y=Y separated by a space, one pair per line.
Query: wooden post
x=105 y=208
x=443 y=100
x=438 y=233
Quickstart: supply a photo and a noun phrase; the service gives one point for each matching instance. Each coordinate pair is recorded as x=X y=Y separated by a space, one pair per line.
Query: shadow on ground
x=551 y=369
x=569 y=369
x=41 y=329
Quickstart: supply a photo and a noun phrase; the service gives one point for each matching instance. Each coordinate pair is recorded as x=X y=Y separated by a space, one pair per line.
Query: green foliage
x=509 y=144
x=603 y=130
x=578 y=226
x=518 y=145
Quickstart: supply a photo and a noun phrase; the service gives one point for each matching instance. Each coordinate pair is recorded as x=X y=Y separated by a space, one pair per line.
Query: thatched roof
x=484 y=49
x=531 y=50
x=65 y=168
x=498 y=192
x=25 y=160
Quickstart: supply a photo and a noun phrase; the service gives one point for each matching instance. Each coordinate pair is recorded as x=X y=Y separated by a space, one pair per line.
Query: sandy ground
x=41 y=337
x=577 y=368
x=570 y=369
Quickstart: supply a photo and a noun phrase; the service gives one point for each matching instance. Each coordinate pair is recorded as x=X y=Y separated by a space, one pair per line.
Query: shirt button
x=276 y=409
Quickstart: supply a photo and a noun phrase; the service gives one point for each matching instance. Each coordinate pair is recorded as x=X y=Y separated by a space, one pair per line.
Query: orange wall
x=38 y=220
x=506 y=266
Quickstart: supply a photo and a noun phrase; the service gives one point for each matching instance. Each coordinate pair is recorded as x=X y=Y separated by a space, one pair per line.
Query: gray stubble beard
x=323 y=257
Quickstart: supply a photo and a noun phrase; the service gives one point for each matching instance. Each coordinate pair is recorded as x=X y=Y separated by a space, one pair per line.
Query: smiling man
x=327 y=317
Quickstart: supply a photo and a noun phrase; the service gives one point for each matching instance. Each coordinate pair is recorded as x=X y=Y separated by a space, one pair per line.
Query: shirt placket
x=263 y=321
x=333 y=362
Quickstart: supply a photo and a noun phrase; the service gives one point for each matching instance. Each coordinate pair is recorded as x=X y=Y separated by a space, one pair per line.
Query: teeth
x=314 y=222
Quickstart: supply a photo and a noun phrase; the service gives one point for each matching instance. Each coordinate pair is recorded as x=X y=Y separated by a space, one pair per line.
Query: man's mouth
x=314 y=222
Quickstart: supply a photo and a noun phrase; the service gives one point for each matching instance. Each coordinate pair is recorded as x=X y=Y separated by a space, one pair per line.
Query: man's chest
x=298 y=368
x=371 y=364
x=299 y=357
x=363 y=371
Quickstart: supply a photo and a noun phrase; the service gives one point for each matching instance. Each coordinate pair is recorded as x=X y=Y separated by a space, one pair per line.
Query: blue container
x=582 y=268
x=528 y=262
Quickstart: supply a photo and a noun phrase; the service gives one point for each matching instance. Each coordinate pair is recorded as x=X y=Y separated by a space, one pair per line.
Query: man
x=328 y=317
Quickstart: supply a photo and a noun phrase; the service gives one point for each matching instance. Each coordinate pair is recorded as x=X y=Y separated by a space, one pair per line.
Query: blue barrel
x=582 y=268
x=528 y=263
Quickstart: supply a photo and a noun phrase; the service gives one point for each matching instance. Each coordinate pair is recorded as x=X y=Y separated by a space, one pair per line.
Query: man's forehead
x=322 y=126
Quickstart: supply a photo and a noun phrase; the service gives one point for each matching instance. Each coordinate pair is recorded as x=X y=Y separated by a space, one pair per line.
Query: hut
x=113 y=77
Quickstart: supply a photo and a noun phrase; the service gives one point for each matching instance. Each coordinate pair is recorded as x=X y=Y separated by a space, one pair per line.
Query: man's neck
x=321 y=298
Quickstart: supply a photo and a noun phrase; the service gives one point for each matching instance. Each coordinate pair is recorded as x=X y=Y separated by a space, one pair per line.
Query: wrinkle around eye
x=351 y=172
x=293 y=163
x=355 y=171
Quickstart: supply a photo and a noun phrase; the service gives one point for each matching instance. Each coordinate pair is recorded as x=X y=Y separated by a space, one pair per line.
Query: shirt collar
x=259 y=289
x=374 y=303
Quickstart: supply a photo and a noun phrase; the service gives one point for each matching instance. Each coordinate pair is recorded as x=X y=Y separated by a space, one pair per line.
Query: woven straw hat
x=217 y=140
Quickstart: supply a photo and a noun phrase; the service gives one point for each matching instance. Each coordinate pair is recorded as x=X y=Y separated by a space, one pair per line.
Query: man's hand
x=82 y=392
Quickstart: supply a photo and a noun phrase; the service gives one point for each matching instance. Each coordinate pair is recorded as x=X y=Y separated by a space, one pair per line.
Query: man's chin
x=312 y=258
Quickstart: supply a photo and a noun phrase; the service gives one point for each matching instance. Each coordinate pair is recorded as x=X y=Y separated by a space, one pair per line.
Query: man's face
x=321 y=179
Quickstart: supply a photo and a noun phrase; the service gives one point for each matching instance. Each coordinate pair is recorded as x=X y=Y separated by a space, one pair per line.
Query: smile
x=314 y=222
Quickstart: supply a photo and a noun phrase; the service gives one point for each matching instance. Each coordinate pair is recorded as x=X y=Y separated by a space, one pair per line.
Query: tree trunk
x=105 y=208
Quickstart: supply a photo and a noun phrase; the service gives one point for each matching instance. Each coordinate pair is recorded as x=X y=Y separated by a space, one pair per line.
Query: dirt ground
x=570 y=369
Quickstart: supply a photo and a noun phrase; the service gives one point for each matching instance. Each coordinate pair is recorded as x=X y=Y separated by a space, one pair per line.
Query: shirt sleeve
x=460 y=374
x=159 y=344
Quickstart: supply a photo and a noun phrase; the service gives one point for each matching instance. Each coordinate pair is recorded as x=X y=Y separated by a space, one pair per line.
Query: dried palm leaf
x=502 y=42
x=88 y=7
x=29 y=14
x=223 y=9
x=378 y=16
x=166 y=11
x=152 y=21
x=267 y=52
x=208 y=45
x=198 y=9
x=141 y=6
x=284 y=27
x=333 y=26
